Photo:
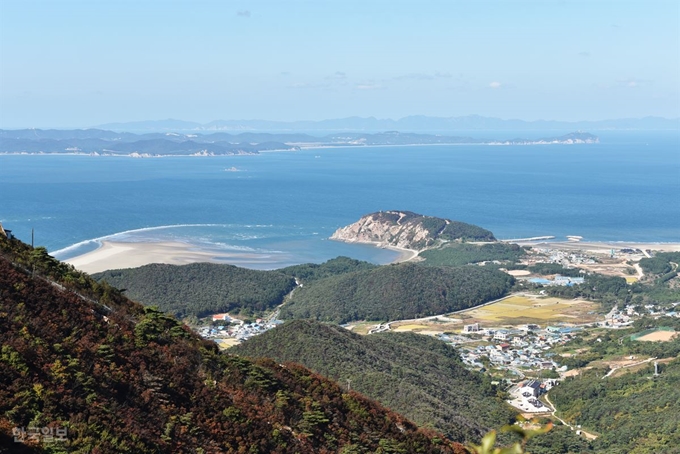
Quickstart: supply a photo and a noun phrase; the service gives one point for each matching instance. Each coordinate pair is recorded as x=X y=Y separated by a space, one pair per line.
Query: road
x=585 y=434
x=638 y=268
x=628 y=365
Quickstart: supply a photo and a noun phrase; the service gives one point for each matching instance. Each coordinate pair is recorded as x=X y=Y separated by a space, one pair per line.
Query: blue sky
x=82 y=63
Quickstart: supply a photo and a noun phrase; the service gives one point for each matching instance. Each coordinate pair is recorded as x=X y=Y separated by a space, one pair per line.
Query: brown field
x=226 y=343
x=519 y=309
x=513 y=310
x=410 y=327
x=363 y=327
x=658 y=336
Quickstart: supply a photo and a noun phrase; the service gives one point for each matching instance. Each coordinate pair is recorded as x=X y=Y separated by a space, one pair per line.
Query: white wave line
x=98 y=240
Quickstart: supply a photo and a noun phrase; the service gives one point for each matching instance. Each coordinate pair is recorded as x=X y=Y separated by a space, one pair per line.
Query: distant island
x=99 y=142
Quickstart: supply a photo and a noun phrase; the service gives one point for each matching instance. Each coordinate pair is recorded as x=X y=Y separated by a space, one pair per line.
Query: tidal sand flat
x=117 y=255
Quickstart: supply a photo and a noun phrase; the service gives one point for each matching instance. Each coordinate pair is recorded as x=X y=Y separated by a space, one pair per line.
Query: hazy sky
x=82 y=63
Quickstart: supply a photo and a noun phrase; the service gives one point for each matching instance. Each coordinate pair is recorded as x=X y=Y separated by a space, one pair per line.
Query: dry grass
x=410 y=327
x=520 y=309
x=224 y=344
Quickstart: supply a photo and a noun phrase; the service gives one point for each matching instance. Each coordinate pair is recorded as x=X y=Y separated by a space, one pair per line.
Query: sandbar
x=114 y=255
x=118 y=255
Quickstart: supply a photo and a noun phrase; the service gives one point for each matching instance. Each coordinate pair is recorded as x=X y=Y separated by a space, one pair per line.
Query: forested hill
x=418 y=376
x=201 y=289
x=409 y=230
x=308 y=272
x=633 y=413
x=121 y=378
x=396 y=292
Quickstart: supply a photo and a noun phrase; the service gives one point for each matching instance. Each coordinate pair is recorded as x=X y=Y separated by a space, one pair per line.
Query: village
x=227 y=330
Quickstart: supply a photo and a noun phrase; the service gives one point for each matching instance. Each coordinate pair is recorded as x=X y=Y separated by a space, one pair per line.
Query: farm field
x=658 y=336
x=511 y=311
x=226 y=343
x=521 y=309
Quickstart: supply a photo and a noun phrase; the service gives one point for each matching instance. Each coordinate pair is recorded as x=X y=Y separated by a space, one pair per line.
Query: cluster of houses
x=565 y=258
x=235 y=328
x=558 y=280
x=527 y=347
x=624 y=318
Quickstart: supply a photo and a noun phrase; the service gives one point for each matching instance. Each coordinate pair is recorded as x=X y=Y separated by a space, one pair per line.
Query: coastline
x=300 y=146
x=119 y=255
x=600 y=246
x=406 y=255
x=113 y=255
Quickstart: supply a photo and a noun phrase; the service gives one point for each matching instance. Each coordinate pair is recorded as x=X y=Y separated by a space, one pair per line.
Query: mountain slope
x=122 y=378
x=396 y=292
x=633 y=413
x=415 y=375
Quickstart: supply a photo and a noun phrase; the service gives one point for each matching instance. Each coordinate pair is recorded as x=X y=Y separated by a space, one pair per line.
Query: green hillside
x=418 y=376
x=456 y=254
x=201 y=289
x=308 y=272
x=121 y=378
x=635 y=413
x=396 y=292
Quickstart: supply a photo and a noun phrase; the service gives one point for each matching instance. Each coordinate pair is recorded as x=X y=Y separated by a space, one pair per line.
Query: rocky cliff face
x=408 y=230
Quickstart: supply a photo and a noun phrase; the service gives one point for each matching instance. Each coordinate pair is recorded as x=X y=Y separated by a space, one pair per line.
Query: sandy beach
x=113 y=255
x=116 y=255
x=603 y=246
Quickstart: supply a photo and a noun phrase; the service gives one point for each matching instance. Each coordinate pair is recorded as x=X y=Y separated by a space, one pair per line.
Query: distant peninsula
x=98 y=142
x=408 y=230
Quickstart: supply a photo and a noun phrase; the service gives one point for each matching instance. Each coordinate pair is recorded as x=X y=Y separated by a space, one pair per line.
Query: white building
x=500 y=335
x=471 y=328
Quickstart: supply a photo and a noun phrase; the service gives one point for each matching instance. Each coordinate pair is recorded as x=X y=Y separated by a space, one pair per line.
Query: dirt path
x=614 y=369
x=588 y=435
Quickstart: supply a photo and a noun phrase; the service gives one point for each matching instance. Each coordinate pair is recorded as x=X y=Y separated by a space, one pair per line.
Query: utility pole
x=349 y=384
x=32 y=238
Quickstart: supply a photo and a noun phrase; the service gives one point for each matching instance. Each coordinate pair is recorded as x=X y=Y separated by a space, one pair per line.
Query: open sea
x=283 y=206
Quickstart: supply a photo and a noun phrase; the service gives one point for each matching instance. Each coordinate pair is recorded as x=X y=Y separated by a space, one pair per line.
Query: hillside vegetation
x=201 y=289
x=122 y=378
x=633 y=413
x=661 y=263
x=457 y=254
x=396 y=292
x=418 y=376
x=308 y=272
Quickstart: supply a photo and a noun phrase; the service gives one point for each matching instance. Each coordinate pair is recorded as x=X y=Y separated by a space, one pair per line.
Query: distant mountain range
x=105 y=142
x=412 y=123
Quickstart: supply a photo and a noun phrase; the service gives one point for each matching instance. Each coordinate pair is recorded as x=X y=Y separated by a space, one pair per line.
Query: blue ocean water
x=283 y=206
